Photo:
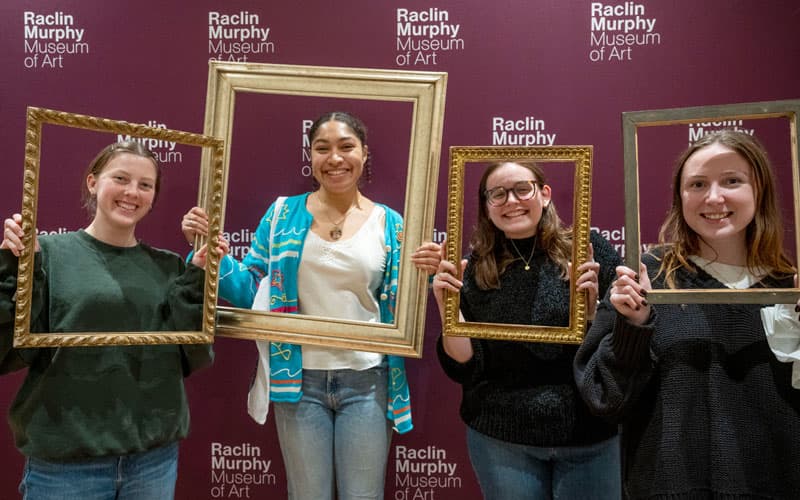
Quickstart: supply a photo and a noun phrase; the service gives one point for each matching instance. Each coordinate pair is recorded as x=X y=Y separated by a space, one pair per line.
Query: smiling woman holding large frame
x=696 y=385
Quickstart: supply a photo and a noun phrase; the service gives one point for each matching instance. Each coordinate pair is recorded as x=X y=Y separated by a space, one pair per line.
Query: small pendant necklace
x=336 y=231
x=530 y=257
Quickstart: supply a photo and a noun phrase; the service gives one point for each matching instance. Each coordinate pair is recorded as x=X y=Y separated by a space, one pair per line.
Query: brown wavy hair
x=763 y=235
x=489 y=248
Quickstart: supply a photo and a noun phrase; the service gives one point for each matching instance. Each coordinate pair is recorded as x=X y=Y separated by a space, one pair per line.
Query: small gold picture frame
x=581 y=158
x=426 y=92
x=632 y=120
x=211 y=176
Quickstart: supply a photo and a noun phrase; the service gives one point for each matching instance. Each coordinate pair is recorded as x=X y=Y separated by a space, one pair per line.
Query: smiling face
x=516 y=218
x=718 y=199
x=124 y=190
x=337 y=157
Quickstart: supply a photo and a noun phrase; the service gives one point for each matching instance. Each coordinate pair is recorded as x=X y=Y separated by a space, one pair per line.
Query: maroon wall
x=564 y=71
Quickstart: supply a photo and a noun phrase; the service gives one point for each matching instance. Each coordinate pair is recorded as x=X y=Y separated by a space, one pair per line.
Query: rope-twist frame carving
x=581 y=156
x=22 y=335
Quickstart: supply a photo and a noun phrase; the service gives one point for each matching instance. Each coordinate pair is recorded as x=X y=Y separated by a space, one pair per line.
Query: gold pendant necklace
x=336 y=231
x=530 y=257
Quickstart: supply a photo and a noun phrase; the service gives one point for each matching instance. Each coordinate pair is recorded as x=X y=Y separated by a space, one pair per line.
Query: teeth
x=126 y=206
x=717 y=216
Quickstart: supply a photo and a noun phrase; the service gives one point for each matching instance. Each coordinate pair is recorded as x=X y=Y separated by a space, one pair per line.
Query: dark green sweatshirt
x=78 y=402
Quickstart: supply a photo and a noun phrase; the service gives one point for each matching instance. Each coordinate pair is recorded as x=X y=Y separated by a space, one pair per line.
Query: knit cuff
x=192 y=281
x=631 y=343
x=456 y=371
x=9 y=263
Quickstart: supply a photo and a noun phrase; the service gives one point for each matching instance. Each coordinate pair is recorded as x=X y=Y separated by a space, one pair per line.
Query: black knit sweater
x=524 y=392
x=707 y=411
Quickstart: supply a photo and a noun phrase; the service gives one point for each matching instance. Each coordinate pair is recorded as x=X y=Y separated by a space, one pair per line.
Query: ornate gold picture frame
x=631 y=121
x=426 y=92
x=211 y=177
x=581 y=158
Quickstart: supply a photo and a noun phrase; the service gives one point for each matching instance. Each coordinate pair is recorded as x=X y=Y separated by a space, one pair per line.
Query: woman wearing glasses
x=529 y=434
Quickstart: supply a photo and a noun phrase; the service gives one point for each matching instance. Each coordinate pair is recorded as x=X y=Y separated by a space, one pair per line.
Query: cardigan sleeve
x=238 y=282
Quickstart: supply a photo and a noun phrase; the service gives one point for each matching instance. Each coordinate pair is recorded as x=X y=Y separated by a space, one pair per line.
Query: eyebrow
x=340 y=139
x=724 y=172
x=514 y=183
x=123 y=170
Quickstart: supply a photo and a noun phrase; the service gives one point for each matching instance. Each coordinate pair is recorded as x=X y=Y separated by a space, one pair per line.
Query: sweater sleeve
x=614 y=364
x=238 y=282
x=10 y=358
x=185 y=303
x=608 y=258
x=460 y=372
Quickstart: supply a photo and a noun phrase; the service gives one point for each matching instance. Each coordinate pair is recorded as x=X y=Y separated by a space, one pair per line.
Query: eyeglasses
x=523 y=190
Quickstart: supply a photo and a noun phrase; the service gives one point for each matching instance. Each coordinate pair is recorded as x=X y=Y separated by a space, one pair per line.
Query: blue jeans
x=149 y=475
x=337 y=436
x=508 y=471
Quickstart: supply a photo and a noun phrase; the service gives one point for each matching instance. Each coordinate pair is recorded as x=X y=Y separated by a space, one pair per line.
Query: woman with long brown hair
x=529 y=434
x=707 y=411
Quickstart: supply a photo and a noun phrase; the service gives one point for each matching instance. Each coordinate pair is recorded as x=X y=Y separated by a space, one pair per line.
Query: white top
x=342 y=279
x=737 y=277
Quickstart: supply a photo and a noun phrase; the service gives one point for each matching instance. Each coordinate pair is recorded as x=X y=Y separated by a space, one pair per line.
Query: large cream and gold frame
x=581 y=157
x=426 y=91
x=211 y=177
x=676 y=116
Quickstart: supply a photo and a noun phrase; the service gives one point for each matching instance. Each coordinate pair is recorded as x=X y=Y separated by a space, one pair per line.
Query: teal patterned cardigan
x=281 y=253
